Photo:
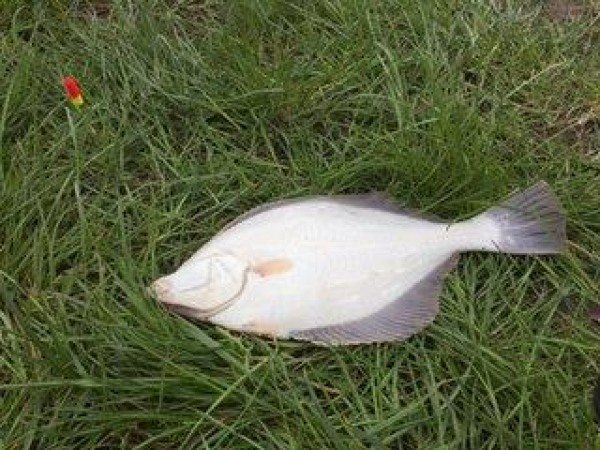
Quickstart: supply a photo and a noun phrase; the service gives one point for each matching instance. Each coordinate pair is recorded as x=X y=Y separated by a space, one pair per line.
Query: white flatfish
x=346 y=269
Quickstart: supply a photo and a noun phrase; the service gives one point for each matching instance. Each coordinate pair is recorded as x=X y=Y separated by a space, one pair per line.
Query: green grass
x=195 y=114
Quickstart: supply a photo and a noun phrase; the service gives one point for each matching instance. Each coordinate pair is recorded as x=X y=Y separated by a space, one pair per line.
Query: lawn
x=198 y=111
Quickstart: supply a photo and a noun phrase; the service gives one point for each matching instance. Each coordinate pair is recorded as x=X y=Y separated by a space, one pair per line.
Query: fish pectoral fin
x=261 y=328
x=396 y=321
x=273 y=267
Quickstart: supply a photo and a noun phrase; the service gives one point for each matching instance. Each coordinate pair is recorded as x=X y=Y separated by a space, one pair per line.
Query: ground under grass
x=197 y=111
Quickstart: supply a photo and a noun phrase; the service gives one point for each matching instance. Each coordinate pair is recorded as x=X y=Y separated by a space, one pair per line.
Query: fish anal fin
x=396 y=321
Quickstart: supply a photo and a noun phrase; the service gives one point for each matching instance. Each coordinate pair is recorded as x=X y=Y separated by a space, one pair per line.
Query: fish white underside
x=346 y=269
x=346 y=263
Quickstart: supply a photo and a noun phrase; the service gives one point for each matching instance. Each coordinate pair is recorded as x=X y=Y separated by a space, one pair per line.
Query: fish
x=347 y=269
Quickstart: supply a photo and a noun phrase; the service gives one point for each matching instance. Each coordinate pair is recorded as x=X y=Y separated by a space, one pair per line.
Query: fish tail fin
x=530 y=222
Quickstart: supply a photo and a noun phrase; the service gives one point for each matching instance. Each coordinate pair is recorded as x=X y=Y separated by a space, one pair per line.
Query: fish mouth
x=159 y=289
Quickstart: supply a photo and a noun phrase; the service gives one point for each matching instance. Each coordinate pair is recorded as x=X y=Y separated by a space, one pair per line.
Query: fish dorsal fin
x=379 y=201
x=396 y=321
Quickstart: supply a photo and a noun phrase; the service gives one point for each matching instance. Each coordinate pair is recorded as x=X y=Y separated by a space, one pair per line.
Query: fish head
x=203 y=286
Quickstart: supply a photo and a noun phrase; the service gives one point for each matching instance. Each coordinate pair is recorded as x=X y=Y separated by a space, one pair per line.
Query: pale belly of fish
x=346 y=269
